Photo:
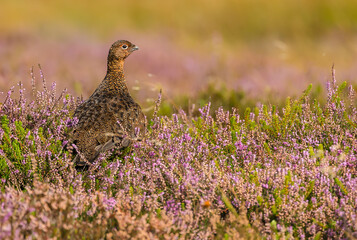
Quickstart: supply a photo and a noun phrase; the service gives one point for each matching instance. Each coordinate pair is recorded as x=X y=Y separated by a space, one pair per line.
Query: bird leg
x=113 y=142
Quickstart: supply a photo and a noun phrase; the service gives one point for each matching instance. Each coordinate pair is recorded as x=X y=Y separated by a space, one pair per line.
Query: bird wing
x=129 y=117
x=107 y=121
x=93 y=120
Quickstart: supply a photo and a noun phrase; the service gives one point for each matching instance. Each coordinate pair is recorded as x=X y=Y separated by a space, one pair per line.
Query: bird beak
x=134 y=48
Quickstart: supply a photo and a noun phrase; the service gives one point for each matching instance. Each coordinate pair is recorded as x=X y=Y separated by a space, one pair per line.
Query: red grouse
x=110 y=117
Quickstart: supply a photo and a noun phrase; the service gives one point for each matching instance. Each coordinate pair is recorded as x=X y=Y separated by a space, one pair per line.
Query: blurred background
x=230 y=52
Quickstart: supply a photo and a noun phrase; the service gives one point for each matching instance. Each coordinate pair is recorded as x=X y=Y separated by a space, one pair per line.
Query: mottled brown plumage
x=110 y=117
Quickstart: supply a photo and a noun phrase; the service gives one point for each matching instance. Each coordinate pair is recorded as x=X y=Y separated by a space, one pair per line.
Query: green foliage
x=309 y=189
x=341 y=186
x=13 y=145
x=218 y=96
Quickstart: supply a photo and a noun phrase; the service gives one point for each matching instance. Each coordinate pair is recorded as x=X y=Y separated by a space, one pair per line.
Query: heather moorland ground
x=268 y=173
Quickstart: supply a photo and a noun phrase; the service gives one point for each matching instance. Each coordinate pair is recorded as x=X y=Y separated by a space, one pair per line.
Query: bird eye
x=124 y=46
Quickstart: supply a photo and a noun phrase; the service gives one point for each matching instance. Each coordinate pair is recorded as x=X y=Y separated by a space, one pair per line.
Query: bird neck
x=115 y=79
x=115 y=65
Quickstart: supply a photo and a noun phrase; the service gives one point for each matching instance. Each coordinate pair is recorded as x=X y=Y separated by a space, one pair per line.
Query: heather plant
x=33 y=135
x=274 y=173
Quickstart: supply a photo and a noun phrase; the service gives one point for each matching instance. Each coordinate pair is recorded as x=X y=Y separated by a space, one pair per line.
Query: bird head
x=121 y=49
